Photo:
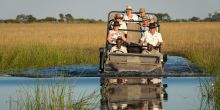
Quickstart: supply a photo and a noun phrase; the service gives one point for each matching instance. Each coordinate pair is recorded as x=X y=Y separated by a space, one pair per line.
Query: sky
x=98 y=9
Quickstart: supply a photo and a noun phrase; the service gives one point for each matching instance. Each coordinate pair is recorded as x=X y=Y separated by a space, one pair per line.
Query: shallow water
x=175 y=66
x=183 y=92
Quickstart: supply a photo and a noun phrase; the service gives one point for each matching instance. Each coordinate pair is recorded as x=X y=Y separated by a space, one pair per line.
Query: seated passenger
x=153 y=19
x=142 y=13
x=129 y=15
x=144 y=24
x=119 y=48
x=152 y=37
x=119 y=18
x=115 y=34
x=153 y=40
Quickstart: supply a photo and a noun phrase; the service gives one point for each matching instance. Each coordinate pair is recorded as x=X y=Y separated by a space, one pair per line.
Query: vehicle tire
x=164 y=61
x=101 y=59
x=165 y=58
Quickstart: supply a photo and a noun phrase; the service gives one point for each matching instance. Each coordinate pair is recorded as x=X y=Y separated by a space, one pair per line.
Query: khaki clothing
x=153 y=52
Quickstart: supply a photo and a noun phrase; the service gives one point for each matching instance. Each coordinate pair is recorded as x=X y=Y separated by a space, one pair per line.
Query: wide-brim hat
x=152 y=25
x=116 y=23
x=128 y=7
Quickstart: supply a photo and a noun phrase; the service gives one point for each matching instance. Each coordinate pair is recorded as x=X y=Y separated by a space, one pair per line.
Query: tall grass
x=40 y=45
x=197 y=41
x=53 y=97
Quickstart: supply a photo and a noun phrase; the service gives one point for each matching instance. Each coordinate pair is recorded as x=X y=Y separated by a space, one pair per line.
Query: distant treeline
x=212 y=17
x=68 y=18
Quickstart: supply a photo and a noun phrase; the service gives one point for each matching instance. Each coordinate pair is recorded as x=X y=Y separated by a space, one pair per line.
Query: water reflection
x=132 y=93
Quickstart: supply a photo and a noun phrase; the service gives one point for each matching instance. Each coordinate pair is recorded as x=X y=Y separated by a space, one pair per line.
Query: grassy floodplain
x=199 y=42
x=41 y=45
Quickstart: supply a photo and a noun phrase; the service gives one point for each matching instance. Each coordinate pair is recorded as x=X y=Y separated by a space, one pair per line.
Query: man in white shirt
x=118 y=48
x=129 y=15
x=152 y=37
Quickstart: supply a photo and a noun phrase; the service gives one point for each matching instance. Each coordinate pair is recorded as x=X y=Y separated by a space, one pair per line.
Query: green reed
x=53 y=97
x=35 y=57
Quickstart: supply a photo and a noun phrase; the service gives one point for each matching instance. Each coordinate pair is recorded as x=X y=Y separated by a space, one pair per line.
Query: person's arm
x=124 y=26
x=124 y=49
x=142 y=39
x=122 y=36
x=160 y=40
x=158 y=44
x=141 y=43
x=109 y=38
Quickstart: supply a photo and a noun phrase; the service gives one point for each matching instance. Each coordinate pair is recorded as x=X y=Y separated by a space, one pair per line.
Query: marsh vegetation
x=36 y=46
x=54 y=96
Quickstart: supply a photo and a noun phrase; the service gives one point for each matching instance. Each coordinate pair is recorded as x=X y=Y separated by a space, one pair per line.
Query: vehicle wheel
x=164 y=61
x=165 y=58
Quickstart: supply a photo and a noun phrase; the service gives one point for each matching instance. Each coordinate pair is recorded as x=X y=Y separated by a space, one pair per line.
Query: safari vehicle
x=134 y=60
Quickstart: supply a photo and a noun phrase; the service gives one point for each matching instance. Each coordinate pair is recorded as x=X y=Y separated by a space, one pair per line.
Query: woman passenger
x=114 y=34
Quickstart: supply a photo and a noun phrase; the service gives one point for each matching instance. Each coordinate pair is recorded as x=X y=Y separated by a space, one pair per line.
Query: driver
x=118 y=48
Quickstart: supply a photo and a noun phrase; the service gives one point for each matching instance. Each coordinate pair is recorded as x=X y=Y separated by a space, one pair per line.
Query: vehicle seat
x=133 y=38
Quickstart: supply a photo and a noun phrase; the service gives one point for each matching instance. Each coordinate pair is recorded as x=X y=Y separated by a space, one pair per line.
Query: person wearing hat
x=151 y=37
x=144 y=24
x=129 y=15
x=115 y=34
x=142 y=13
x=119 y=18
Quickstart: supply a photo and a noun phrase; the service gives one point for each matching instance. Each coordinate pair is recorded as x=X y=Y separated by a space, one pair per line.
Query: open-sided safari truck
x=134 y=60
